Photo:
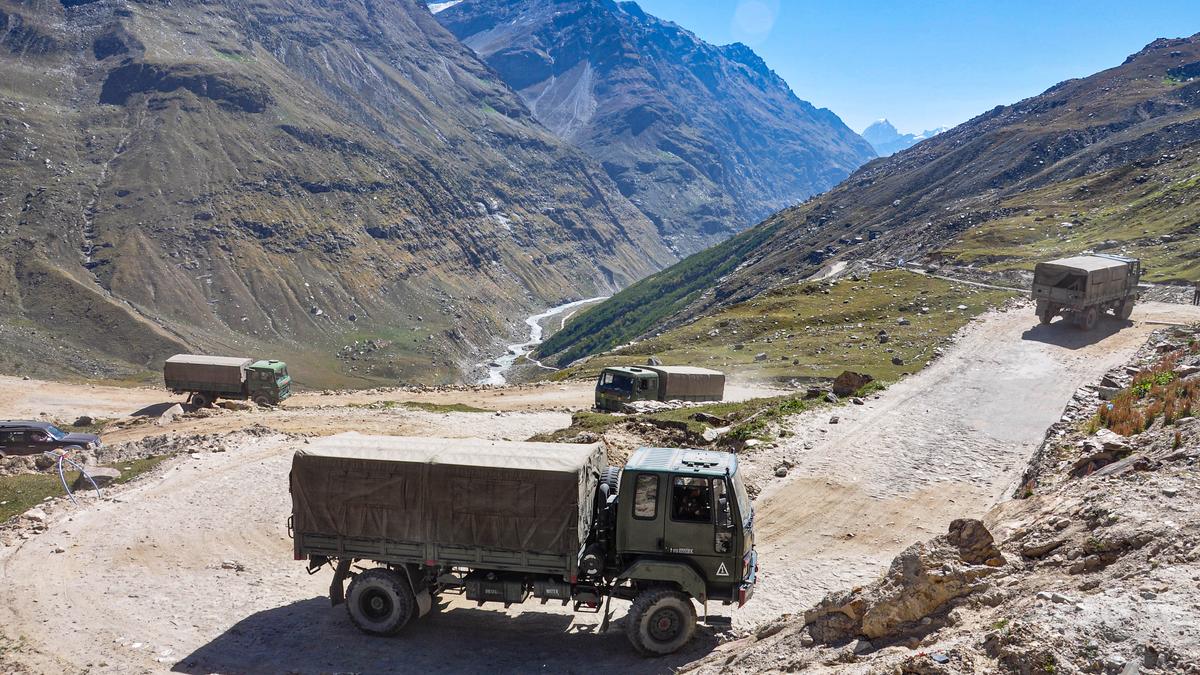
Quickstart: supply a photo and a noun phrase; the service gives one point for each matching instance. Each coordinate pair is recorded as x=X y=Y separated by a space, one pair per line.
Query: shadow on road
x=310 y=636
x=1065 y=334
x=157 y=409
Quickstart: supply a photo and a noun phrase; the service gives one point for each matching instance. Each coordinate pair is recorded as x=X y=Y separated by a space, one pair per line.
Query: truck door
x=692 y=530
x=642 y=526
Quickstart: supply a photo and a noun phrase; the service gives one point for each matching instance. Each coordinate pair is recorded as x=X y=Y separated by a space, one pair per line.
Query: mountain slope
x=705 y=140
x=1106 y=162
x=888 y=141
x=259 y=176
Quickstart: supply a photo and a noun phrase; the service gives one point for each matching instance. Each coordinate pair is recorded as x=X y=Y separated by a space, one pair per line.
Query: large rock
x=975 y=544
x=919 y=583
x=849 y=382
x=170 y=414
x=102 y=475
x=236 y=405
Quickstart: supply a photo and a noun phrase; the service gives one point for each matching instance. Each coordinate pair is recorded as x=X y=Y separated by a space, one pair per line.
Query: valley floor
x=190 y=568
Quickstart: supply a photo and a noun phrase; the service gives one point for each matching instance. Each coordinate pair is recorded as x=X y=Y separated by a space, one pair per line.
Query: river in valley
x=498 y=368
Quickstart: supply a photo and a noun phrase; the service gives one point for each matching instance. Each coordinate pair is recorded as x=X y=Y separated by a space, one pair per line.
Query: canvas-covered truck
x=207 y=378
x=619 y=385
x=1082 y=287
x=502 y=522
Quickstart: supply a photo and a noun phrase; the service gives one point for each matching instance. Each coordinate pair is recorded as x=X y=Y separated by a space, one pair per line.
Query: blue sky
x=934 y=63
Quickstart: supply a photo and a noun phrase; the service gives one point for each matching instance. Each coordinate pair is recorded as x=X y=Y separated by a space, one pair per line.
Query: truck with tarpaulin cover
x=207 y=378
x=618 y=385
x=1083 y=287
x=501 y=522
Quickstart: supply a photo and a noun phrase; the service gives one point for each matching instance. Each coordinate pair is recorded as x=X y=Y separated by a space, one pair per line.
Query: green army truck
x=502 y=522
x=1083 y=287
x=207 y=378
x=619 y=385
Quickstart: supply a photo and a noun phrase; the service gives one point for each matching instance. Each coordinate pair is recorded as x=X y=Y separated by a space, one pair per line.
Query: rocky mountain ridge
x=251 y=176
x=704 y=139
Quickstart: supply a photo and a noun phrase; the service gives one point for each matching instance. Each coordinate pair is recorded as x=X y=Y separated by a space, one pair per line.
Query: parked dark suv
x=23 y=437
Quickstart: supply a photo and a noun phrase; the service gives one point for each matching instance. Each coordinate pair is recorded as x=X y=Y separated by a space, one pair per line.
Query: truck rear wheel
x=380 y=602
x=202 y=400
x=1090 y=317
x=660 y=621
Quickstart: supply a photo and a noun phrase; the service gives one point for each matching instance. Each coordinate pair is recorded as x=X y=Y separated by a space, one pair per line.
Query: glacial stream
x=501 y=365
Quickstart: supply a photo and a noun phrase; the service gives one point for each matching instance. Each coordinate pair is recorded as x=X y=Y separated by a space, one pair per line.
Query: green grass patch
x=23 y=492
x=814 y=331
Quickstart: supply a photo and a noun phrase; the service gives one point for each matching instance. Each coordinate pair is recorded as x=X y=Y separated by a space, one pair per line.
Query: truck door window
x=691 y=500
x=643 y=384
x=645 y=497
x=723 y=540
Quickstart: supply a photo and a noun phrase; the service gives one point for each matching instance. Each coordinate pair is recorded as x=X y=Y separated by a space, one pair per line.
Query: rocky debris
x=975 y=544
x=711 y=419
x=849 y=383
x=920 y=582
x=35 y=515
x=102 y=476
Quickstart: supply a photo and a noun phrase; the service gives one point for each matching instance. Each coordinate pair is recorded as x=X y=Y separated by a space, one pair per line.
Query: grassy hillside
x=644 y=305
x=817 y=330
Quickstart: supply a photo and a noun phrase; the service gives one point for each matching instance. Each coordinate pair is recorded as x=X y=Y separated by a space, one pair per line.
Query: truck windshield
x=622 y=383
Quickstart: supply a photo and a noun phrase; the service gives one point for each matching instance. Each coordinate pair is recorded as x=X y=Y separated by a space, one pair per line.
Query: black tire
x=1125 y=310
x=380 y=602
x=262 y=401
x=202 y=400
x=660 y=621
x=1090 y=318
x=612 y=478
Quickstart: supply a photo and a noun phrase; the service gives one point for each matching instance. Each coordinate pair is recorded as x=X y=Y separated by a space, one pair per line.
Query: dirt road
x=190 y=569
x=945 y=443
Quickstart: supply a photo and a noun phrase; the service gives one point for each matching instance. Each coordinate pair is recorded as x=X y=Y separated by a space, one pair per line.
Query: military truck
x=503 y=522
x=207 y=378
x=619 y=385
x=1082 y=287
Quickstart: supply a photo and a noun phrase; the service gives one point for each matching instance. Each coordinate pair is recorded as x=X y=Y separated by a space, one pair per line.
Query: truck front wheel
x=1125 y=310
x=660 y=621
x=380 y=602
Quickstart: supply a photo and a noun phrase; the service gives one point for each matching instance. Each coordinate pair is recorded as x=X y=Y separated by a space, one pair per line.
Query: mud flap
x=424 y=602
x=337 y=587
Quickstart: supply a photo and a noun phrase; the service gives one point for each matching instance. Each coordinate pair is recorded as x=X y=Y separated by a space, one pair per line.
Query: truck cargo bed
x=485 y=504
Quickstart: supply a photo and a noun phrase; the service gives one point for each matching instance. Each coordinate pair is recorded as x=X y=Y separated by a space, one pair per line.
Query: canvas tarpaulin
x=533 y=497
x=689 y=382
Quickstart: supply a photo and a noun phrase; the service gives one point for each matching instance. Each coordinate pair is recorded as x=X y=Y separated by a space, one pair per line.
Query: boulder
x=170 y=414
x=849 y=382
x=102 y=475
x=653 y=361
x=897 y=361
x=919 y=583
x=36 y=515
x=761 y=356
x=975 y=544
x=84 y=421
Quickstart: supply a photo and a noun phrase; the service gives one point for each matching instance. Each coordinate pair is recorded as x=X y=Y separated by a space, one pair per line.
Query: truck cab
x=621 y=384
x=268 y=381
x=690 y=509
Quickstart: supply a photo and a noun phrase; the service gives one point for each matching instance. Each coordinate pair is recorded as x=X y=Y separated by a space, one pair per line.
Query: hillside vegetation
x=884 y=324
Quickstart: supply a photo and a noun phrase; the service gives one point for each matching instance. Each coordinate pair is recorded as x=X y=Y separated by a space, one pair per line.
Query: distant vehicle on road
x=207 y=378
x=1082 y=287
x=500 y=521
x=618 y=385
x=26 y=437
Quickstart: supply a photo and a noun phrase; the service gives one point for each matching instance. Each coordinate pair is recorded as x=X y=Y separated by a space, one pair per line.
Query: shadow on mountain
x=311 y=636
x=1065 y=334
